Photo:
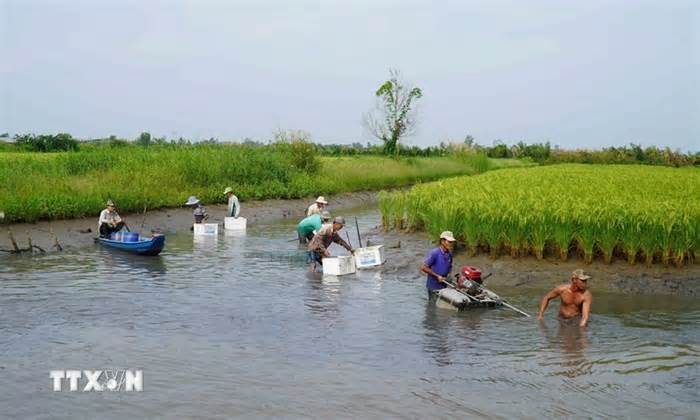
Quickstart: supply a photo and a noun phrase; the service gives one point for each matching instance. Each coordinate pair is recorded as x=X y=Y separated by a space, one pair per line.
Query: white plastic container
x=208 y=229
x=338 y=266
x=451 y=299
x=370 y=256
x=235 y=223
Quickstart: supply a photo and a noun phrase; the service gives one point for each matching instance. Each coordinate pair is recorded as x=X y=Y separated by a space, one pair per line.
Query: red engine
x=469 y=272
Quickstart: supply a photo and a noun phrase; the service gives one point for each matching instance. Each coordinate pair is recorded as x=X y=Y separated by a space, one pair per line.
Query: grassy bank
x=75 y=184
x=639 y=213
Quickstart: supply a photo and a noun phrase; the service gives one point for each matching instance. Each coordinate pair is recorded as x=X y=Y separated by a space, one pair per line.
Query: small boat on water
x=468 y=292
x=461 y=299
x=132 y=242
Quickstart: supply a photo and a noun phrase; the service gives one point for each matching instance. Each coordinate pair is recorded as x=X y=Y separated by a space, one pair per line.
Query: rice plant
x=633 y=213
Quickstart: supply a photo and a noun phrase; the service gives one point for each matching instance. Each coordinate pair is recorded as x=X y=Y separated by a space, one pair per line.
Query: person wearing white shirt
x=110 y=221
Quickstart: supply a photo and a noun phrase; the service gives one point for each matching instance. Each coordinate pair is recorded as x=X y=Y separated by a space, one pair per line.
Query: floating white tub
x=370 y=256
x=338 y=266
x=451 y=299
x=235 y=223
x=208 y=229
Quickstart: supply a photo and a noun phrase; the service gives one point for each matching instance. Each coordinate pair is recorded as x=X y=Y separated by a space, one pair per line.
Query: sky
x=579 y=74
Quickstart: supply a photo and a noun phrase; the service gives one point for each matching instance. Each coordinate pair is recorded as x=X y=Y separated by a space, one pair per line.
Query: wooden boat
x=151 y=246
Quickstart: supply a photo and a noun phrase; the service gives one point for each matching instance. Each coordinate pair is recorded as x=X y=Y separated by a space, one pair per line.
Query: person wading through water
x=234 y=207
x=318 y=247
x=110 y=222
x=438 y=264
x=199 y=213
x=317 y=207
x=575 y=298
x=307 y=228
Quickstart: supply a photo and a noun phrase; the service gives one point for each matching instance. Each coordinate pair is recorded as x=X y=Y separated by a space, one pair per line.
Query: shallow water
x=235 y=326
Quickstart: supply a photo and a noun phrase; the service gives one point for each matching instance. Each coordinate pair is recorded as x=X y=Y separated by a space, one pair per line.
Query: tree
x=144 y=139
x=394 y=117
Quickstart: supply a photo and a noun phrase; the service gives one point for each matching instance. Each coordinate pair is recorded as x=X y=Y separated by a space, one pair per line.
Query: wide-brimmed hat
x=339 y=220
x=579 y=274
x=447 y=235
x=192 y=201
x=321 y=200
x=326 y=215
x=111 y=203
x=228 y=190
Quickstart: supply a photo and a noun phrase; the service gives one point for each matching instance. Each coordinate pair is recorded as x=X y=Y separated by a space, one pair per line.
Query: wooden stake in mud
x=29 y=241
x=12 y=239
x=55 y=239
x=143 y=221
x=359 y=238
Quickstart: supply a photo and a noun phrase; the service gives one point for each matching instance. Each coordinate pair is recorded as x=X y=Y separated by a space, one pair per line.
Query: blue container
x=131 y=237
x=125 y=237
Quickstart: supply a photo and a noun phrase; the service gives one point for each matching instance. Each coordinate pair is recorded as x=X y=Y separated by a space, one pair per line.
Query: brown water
x=236 y=327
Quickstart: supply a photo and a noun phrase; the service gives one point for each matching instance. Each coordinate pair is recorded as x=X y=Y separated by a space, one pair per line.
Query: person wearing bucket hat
x=234 y=207
x=575 y=298
x=317 y=207
x=307 y=228
x=438 y=264
x=199 y=213
x=109 y=221
x=318 y=247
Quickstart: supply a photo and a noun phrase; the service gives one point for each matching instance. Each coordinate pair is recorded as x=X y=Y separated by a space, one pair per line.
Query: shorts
x=314 y=257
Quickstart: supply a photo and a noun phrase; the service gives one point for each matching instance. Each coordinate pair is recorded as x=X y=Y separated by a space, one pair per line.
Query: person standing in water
x=575 y=298
x=234 y=207
x=438 y=264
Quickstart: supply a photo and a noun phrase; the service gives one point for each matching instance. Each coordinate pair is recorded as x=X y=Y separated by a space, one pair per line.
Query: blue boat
x=151 y=246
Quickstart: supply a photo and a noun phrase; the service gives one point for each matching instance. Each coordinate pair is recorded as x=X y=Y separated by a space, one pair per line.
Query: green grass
x=639 y=213
x=75 y=184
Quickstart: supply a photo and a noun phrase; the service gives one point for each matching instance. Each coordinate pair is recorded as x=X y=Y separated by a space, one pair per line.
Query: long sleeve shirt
x=323 y=238
x=109 y=217
x=313 y=209
x=234 y=207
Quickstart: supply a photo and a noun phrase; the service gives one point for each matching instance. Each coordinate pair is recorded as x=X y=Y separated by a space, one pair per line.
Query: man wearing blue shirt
x=438 y=263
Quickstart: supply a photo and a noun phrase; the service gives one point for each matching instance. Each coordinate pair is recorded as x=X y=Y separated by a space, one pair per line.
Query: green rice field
x=37 y=186
x=638 y=213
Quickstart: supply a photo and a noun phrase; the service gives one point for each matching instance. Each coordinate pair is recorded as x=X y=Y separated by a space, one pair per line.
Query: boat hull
x=151 y=246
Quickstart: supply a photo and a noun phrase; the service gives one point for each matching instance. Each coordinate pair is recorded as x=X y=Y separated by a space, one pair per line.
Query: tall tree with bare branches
x=394 y=117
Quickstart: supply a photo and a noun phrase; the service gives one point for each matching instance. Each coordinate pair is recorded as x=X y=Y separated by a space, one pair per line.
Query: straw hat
x=192 y=201
x=339 y=220
x=447 y=235
x=321 y=200
x=325 y=215
x=228 y=190
x=110 y=203
x=579 y=274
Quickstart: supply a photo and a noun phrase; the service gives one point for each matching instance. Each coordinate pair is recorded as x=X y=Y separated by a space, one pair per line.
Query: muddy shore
x=404 y=251
x=79 y=233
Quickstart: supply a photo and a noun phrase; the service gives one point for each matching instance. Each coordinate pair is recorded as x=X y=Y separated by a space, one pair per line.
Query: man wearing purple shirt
x=438 y=263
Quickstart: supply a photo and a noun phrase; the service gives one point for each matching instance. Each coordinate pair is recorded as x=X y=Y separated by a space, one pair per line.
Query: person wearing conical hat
x=317 y=207
x=234 y=207
x=109 y=221
x=199 y=212
x=575 y=298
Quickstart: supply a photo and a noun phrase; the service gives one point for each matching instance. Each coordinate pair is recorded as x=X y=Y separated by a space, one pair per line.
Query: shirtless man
x=575 y=298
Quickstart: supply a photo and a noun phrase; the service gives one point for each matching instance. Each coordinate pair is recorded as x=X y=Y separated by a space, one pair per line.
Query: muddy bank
x=79 y=233
x=405 y=252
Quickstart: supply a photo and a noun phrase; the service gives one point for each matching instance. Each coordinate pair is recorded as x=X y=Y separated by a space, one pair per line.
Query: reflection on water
x=236 y=326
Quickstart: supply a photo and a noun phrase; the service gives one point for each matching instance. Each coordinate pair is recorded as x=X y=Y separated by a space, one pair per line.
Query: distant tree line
x=300 y=144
